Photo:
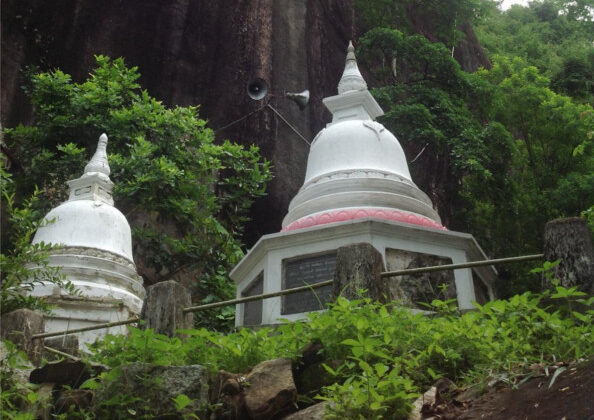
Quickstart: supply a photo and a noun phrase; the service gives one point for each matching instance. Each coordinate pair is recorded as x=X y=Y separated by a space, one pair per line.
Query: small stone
x=468 y=394
x=314 y=412
x=270 y=389
x=421 y=403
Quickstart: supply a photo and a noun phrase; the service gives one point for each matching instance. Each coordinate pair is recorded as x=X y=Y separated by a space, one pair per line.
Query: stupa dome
x=86 y=224
x=88 y=219
x=361 y=144
x=356 y=168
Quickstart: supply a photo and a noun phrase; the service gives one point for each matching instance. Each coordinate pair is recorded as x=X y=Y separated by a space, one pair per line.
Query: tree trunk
x=359 y=266
x=163 y=308
x=570 y=241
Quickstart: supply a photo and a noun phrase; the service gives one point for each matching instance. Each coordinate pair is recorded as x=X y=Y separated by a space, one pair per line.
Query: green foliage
x=381 y=356
x=445 y=16
x=552 y=173
x=24 y=265
x=553 y=35
x=186 y=197
x=16 y=397
x=498 y=151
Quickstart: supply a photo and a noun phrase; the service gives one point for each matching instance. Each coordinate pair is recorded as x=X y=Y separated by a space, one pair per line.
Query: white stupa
x=94 y=253
x=357 y=189
x=356 y=168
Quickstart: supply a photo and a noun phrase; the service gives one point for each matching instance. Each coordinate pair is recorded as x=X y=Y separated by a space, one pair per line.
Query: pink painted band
x=360 y=213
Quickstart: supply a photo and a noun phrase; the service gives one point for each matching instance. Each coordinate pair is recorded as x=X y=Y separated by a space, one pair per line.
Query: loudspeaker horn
x=301 y=98
x=257 y=89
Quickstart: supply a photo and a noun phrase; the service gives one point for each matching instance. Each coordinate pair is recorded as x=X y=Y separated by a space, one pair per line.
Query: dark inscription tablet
x=305 y=271
x=252 y=311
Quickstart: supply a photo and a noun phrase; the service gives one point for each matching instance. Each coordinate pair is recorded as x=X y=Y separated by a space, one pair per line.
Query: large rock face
x=192 y=52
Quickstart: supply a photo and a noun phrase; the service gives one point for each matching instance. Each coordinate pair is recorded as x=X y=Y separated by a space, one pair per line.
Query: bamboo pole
x=89 y=328
x=61 y=353
x=461 y=265
x=258 y=297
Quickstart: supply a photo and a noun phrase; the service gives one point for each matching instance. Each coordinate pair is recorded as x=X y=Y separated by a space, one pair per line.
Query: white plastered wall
x=270 y=252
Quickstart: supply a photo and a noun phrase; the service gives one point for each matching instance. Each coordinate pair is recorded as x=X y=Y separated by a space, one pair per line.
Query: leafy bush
x=16 y=397
x=381 y=356
x=24 y=265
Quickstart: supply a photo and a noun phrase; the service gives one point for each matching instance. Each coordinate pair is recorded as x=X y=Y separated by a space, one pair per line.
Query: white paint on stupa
x=94 y=253
x=356 y=164
x=357 y=188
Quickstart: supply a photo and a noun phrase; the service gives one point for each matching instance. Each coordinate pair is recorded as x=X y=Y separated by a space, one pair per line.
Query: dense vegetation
x=377 y=358
x=553 y=35
x=507 y=148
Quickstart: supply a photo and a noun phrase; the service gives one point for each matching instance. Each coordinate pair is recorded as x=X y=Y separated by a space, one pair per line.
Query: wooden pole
x=61 y=353
x=259 y=297
x=461 y=265
x=89 y=328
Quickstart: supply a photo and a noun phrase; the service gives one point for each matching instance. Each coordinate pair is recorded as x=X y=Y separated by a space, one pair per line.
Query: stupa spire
x=351 y=77
x=98 y=162
x=94 y=184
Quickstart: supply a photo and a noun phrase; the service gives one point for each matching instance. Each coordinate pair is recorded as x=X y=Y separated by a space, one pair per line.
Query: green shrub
x=24 y=265
x=381 y=356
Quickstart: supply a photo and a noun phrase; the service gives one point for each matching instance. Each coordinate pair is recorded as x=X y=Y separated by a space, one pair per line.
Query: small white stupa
x=357 y=189
x=94 y=253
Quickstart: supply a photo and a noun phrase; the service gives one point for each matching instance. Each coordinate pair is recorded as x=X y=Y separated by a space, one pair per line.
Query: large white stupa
x=94 y=252
x=356 y=168
x=357 y=189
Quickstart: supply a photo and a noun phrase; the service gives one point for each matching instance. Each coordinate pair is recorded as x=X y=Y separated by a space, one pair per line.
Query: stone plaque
x=252 y=311
x=303 y=271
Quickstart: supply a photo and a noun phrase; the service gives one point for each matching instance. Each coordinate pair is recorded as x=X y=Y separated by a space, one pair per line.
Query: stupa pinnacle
x=98 y=162
x=351 y=77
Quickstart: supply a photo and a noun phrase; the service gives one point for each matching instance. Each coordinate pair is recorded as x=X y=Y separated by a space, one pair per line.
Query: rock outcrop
x=154 y=389
x=205 y=53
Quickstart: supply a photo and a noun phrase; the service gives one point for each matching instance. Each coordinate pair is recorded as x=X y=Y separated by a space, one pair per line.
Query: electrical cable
x=242 y=118
x=266 y=105
x=288 y=123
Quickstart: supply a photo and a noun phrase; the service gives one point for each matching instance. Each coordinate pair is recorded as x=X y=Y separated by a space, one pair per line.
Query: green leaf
x=557 y=372
x=182 y=401
x=32 y=397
